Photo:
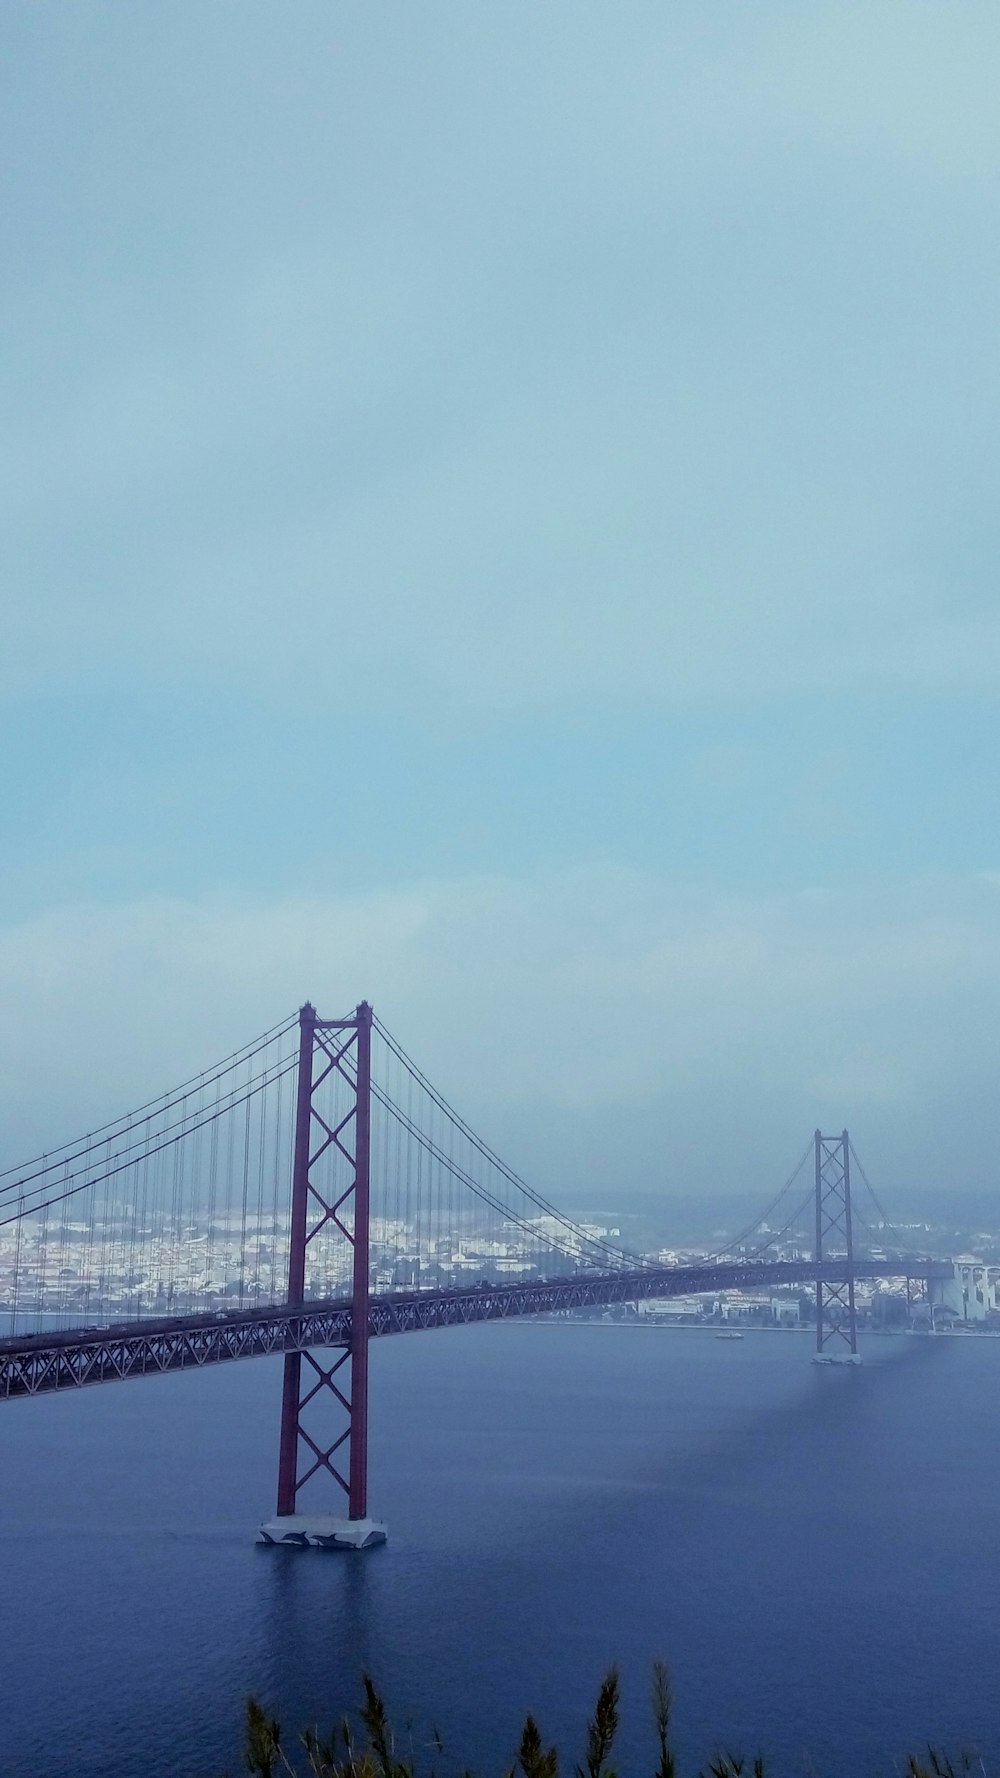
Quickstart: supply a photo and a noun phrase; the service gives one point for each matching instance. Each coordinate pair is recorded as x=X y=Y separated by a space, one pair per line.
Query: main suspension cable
x=488 y=1154
x=152 y=1107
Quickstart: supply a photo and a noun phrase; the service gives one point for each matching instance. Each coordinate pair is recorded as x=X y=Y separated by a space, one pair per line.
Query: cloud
x=599 y=1026
x=634 y=360
x=553 y=364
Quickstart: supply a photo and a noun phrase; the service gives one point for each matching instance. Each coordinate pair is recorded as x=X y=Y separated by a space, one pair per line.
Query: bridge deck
x=36 y=1364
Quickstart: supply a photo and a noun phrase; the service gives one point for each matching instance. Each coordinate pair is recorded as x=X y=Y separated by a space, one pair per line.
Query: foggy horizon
x=499 y=523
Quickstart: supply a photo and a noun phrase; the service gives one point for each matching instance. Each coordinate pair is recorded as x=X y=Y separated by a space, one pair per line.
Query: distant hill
x=711 y=1219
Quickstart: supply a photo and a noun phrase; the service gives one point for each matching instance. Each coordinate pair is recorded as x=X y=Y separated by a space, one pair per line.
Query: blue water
x=813 y=1551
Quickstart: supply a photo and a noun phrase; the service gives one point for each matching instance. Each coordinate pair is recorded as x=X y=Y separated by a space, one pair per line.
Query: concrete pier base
x=322 y=1531
x=837 y=1358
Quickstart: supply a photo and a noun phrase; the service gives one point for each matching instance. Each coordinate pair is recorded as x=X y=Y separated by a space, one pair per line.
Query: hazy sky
x=500 y=517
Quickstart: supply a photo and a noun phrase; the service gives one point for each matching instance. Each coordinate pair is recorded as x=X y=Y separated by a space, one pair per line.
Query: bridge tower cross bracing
x=836 y=1319
x=329 y=1049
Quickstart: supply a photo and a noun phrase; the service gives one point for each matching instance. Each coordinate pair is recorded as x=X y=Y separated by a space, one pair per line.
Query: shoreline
x=690 y=1327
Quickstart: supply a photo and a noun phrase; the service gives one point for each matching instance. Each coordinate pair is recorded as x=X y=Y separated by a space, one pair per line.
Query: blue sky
x=500 y=517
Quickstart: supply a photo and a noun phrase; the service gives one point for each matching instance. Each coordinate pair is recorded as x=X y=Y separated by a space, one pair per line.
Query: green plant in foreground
x=346 y=1755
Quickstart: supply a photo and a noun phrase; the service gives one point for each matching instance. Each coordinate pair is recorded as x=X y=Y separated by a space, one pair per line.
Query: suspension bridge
x=314 y=1191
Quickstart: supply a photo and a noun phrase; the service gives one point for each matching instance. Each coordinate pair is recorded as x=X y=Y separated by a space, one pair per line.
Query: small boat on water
x=729 y=1334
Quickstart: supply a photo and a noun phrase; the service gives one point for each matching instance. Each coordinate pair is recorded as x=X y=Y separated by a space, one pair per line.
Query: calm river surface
x=813 y=1551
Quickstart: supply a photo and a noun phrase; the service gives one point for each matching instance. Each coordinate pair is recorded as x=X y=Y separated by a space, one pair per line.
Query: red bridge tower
x=332 y=1127
x=836 y=1321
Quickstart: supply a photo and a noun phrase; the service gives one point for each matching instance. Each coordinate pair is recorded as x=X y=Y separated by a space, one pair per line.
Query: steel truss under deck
x=38 y=1364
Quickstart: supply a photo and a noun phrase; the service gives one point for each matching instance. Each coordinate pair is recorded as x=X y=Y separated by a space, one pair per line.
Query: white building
x=673 y=1308
x=768 y=1311
x=972 y=1293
